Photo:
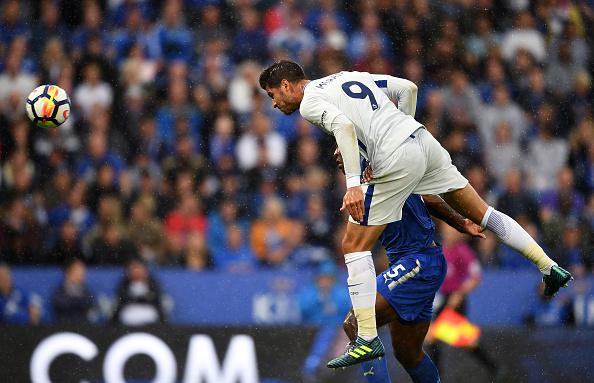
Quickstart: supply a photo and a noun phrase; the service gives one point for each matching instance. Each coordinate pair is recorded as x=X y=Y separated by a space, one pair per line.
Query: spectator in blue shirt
x=16 y=305
x=235 y=255
x=97 y=155
x=74 y=210
x=325 y=302
x=178 y=114
x=548 y=312
x=250 y=40
x=120 y=13
x=11 y=25
x=92 y=26
x=124 y=39
x=48 y=27
x=326 y=8
x=172 y=40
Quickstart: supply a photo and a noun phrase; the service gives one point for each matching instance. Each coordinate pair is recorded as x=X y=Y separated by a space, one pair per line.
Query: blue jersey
x=417 y=266
x=412 y=234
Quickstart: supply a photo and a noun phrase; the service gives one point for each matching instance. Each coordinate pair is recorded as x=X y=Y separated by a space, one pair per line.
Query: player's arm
x=399 y=89
x=328 y=117
x=474 y=278
x=438 y=208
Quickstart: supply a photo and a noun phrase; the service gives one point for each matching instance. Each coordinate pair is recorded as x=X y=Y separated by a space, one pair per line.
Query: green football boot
x=559 y=277
x=359 y=351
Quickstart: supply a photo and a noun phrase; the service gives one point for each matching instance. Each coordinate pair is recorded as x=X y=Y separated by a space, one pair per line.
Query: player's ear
x=285 y=84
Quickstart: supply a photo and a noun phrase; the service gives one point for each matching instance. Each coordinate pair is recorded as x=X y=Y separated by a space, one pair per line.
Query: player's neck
x=303 y=83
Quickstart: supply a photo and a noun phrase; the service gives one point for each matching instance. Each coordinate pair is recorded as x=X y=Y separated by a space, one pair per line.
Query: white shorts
x=420 y=166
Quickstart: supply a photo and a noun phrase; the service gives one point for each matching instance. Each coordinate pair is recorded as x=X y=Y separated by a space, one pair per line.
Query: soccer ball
x=48 y=106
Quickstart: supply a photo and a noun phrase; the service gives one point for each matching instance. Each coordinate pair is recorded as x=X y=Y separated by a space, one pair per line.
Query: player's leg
x=374 y=371
x=357 y=244
x=442 y=177
x=407 y=343
x=468 y=203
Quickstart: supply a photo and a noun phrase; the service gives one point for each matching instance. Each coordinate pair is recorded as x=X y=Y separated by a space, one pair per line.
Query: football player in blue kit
x=406 y=290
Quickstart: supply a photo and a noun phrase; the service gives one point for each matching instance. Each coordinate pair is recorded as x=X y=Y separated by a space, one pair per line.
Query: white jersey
x=363 y=99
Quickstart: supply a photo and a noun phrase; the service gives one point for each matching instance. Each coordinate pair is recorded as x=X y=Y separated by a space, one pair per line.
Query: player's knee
x=351 y=245
x=347 y=245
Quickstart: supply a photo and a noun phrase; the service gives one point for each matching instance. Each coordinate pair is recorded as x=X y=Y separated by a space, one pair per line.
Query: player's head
x=283 y=83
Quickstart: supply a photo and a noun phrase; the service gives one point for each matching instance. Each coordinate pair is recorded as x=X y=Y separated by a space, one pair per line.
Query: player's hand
x=455 y=300
x=472 y=229
x=338 y=159
x=353 y=202
x=367 y=174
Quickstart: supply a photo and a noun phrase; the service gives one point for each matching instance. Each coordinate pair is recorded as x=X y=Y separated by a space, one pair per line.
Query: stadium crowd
x=174 y=155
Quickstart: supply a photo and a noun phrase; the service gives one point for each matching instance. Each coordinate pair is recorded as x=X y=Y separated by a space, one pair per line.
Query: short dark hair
x=281 y=70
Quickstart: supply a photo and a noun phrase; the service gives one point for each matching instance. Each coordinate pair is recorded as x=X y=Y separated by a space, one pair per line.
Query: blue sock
x=425 y=372
x=376 y=371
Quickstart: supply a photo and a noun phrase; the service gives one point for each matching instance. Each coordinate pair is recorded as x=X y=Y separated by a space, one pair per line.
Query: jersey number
x=364 y=92
x=393 y=273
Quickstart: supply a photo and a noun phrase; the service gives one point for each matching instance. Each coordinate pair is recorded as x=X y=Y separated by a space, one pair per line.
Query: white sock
x=362 y=289
x=512 y=234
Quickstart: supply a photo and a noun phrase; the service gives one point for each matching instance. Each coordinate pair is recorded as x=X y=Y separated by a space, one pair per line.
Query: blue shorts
x=410 y=284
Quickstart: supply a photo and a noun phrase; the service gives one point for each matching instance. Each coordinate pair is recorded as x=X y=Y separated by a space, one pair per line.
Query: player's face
x=284 y=97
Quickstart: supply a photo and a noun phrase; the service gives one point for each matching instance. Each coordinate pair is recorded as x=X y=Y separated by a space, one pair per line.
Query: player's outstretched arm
x=399 y=90
x=440 y=209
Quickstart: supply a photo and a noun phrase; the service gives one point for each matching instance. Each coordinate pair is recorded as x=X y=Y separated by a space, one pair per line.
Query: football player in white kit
x=356 y=108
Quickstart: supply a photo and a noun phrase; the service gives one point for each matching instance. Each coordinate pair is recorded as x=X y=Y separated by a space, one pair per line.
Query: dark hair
x=71 y=261
x=281 y=70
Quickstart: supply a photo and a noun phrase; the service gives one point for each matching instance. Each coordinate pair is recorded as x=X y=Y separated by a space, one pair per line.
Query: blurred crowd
x=174 y=156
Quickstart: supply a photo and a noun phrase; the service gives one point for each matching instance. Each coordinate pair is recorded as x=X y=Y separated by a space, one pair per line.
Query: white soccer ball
x=48 y=106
